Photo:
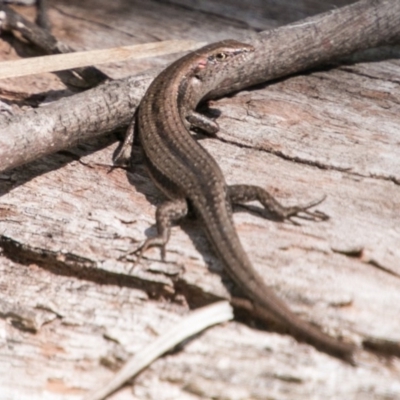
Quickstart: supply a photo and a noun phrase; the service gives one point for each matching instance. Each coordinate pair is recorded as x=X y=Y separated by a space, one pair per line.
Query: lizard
x=192 y=180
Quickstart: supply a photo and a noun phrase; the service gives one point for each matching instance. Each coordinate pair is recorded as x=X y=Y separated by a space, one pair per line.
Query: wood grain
x=71 y=311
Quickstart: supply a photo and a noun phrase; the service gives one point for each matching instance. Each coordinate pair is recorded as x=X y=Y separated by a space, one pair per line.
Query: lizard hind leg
x=246 y=193
x=167 y=213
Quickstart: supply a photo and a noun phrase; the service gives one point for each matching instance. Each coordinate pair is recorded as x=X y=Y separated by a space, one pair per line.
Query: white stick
x=196 y=322
x=59 y=62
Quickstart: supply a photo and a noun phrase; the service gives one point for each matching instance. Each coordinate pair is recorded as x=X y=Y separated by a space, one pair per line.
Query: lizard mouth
x=201 y=64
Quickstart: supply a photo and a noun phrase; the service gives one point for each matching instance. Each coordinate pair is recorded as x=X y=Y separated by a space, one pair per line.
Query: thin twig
x=59 y=62
x=194 y=323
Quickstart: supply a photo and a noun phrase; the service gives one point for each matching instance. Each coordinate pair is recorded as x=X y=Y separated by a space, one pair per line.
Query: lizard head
x=220 y=61
x=218 y=67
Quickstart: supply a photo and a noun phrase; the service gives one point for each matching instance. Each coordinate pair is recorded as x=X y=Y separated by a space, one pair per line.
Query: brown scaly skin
x=191 y=178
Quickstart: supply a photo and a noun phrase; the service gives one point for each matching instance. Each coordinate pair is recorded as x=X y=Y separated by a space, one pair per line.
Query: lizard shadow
x=194 y=295
x=191 y=225
x=245 y=311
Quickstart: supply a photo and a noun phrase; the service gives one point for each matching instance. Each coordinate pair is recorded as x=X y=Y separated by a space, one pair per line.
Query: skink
x=192 y=180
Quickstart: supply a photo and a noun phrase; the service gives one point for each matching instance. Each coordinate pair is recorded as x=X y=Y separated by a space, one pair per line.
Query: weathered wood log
x=72 y=308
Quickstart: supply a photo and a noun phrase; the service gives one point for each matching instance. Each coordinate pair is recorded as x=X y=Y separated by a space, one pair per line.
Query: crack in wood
x=69 y=264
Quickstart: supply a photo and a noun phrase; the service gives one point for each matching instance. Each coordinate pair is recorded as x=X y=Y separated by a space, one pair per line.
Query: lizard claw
x=303 y=212
x=147 y=244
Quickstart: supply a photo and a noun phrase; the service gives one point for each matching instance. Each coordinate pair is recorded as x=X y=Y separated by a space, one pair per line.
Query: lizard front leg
x=200 y=121
x=167 y=213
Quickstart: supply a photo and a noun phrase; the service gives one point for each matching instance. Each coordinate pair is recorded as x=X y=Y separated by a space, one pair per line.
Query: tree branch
x=293 y=48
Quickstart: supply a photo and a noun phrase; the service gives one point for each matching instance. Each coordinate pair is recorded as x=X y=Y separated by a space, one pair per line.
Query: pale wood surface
x=70 y=310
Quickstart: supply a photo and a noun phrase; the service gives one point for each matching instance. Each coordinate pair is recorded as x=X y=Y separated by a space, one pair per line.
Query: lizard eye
x=220 y=56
